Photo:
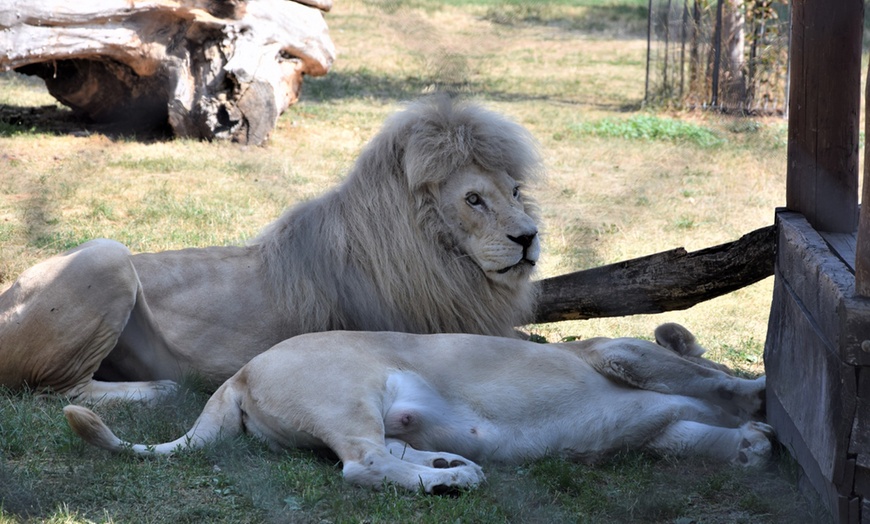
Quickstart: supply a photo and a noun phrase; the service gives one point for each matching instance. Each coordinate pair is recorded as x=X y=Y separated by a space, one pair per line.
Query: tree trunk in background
x=212 y=69
x=733 y=45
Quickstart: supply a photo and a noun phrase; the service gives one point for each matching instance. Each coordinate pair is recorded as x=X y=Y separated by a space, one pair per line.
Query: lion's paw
x=754 y=448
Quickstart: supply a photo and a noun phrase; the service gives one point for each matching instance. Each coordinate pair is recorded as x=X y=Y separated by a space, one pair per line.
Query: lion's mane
x=375 y=254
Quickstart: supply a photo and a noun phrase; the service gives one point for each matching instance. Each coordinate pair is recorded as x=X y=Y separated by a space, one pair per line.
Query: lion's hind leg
x=747 y=445
x=62 y=317
x=397 y=462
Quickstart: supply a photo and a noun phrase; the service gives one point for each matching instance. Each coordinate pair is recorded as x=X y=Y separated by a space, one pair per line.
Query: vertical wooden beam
x=862 y=251
x=824 y=107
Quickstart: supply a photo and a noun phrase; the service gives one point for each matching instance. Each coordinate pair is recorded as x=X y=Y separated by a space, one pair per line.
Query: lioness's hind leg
x=748 y=445
x=648 y=366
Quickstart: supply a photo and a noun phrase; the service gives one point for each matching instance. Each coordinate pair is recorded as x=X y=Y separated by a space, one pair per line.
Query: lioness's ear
x=679 y=339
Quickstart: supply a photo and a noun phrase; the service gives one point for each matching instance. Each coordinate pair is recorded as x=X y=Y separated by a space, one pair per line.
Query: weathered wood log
x=212 y=69
x=666 y=281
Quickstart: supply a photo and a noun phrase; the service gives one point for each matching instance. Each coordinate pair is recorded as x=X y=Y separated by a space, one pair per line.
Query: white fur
x=422 y=410
x=400 y=245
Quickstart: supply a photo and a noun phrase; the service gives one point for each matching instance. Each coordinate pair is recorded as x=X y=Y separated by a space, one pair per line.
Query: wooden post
x=824 y=106
x=862 y=251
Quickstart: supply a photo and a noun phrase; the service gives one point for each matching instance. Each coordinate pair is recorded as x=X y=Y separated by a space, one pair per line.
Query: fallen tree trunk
x=213 y=69
x=667 y=281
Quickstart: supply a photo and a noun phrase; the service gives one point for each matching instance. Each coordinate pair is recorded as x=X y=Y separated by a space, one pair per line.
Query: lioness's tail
x=221 y=416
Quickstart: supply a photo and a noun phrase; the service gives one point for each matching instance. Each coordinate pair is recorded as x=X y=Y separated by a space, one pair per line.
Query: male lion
x=430 y=232
x=417 y=410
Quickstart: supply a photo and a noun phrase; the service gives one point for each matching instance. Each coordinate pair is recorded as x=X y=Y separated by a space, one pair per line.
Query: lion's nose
x=524 y=240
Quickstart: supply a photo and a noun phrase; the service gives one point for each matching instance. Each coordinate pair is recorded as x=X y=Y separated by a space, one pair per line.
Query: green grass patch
x=10 y=129
x=593 y=16
x=240 y=480
x=650 y=127
x=156 y=164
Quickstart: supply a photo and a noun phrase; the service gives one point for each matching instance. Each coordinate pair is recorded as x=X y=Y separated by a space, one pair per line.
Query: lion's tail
x=221 y=417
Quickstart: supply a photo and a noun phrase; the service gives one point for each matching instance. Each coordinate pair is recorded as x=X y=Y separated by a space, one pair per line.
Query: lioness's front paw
x=452 y=479
x=755 y=447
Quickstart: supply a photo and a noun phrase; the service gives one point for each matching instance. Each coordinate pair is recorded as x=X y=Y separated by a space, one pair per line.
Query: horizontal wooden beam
x=667 y=281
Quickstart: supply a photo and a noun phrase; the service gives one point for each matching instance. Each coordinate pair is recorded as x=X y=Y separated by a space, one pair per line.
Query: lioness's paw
x=442 y=463
x=755 y=447
x=452 y=479
x=430 y=459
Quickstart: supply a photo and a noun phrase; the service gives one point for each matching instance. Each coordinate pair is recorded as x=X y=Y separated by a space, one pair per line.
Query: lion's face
x=488 y=218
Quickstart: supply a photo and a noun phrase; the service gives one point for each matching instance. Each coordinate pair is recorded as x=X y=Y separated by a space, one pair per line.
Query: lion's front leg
x=61 y=318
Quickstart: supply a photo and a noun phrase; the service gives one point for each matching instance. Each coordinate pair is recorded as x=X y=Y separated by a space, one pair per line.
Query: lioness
x=420 y=410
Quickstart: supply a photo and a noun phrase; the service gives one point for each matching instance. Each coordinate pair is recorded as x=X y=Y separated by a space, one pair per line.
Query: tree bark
x=666 y=281
x=212 y=69
x=734 y=40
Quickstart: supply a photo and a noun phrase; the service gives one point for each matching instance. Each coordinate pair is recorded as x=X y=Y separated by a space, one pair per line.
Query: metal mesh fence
x=730 y=55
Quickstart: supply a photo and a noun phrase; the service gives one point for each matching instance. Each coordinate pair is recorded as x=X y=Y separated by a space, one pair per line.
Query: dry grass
x=551 y=68
x=605 y=199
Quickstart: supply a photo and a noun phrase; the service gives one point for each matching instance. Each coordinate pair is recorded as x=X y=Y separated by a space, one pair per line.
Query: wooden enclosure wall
x=817 y=353
x=817 y=370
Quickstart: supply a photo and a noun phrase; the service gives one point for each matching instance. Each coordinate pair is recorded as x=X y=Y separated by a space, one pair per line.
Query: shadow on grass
x=364 y=84
x=57 y=120
x=612 y=21
x=17 y=500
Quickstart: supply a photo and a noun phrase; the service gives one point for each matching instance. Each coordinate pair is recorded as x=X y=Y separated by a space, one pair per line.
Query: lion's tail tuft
x=91 y=428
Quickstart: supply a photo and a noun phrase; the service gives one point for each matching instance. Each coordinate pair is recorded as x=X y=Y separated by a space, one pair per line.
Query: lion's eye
x=517 y=192
x=473 y=199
